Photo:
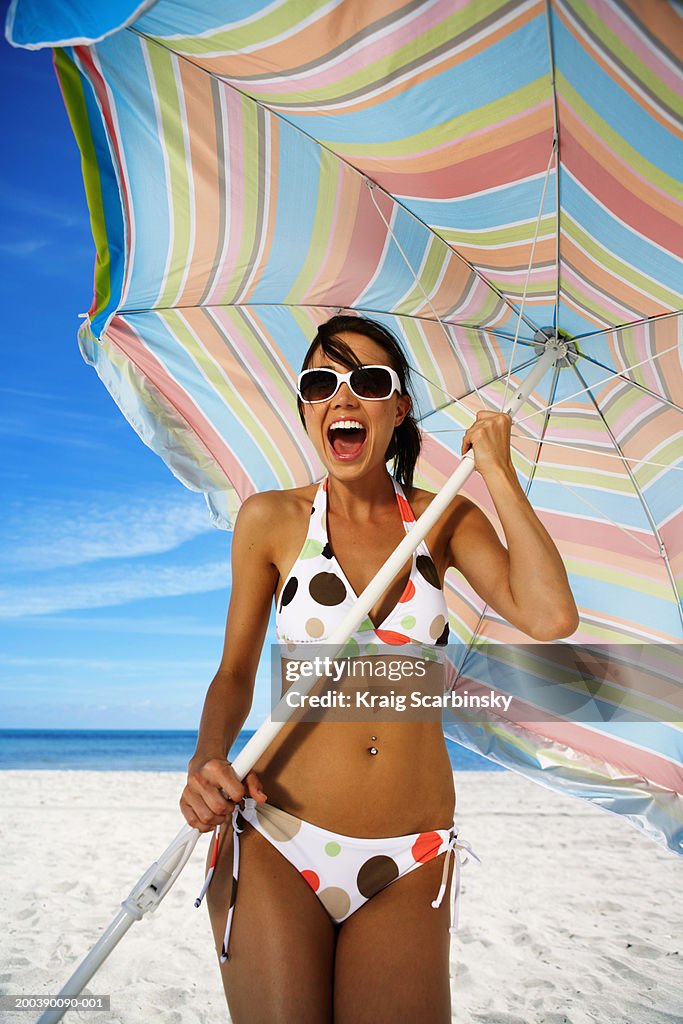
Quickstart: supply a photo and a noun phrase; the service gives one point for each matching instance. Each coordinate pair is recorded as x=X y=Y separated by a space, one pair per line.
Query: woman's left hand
x=489 y=439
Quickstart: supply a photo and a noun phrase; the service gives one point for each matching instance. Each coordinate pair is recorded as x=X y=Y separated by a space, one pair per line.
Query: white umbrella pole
x=158 y=879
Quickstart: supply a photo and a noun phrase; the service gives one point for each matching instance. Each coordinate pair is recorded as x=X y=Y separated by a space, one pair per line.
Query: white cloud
x=61 y=534
x=117 y=587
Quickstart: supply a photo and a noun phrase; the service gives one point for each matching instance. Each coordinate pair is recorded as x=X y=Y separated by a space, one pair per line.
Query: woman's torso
x=323 y=771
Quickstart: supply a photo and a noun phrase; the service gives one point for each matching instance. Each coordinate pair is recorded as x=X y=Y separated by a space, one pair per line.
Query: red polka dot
x=408 y=593
x=405 y=509
x=426 y=846
x=312 y=879
x=388 y=636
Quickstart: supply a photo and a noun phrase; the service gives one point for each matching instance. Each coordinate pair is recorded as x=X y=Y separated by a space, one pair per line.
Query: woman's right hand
x=212 y=792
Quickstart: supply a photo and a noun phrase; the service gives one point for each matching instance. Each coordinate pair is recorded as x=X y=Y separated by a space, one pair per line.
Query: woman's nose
x=344 y=395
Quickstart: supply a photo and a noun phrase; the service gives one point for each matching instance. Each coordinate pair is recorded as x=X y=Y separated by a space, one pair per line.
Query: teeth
x=346 y=425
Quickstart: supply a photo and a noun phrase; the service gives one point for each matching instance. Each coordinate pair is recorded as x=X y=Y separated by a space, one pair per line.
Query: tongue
x=348 y=442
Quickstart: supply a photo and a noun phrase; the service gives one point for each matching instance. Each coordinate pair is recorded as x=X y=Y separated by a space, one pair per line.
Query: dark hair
x=406 y=442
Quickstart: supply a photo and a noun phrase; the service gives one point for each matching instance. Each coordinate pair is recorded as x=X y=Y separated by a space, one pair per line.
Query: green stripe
x=614 y=142
x=72 y=87
x=625 y=56
x=328 y=179
x=162 y=64
x=648 y=285
x=491 y=114
x=229 y=395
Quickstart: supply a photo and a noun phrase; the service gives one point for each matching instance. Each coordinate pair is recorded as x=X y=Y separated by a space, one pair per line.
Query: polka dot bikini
x=344 y=871
x=316 y=595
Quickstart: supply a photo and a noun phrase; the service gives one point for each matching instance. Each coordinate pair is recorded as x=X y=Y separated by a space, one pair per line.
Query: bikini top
x=316 y=596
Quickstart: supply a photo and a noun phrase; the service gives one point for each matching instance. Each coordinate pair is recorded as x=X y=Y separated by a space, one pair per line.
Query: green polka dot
x=370 y=648
x=311 y=549
x=365 y=625
x=332 y=849
x=350 y=649
x=408 y=621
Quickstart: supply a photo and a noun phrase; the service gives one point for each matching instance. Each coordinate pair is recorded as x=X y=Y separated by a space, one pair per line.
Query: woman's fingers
x=255 y=788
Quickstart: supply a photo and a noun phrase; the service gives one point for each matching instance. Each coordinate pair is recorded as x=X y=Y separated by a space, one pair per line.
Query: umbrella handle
x=554 y=350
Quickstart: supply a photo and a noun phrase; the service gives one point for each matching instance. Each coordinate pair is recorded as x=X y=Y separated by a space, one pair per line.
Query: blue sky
x=114 y=585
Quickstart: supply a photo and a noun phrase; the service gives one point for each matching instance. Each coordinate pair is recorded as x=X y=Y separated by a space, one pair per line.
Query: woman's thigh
x=282 y=939
x=392 y=955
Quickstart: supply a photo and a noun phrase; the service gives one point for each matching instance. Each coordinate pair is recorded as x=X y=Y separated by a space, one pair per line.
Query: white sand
x=572 y=917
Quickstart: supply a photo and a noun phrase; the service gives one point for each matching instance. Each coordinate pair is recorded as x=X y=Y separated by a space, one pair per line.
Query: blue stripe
x=613 y=104
x=111 y=203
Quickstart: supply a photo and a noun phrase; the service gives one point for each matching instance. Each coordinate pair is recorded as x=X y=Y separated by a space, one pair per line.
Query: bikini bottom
x=343 y=871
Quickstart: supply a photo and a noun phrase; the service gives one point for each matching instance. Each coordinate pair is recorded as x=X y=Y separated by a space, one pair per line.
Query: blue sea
x=139 y=750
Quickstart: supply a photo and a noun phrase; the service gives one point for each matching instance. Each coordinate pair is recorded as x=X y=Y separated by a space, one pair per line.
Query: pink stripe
x=384 y=44
x=234 y=197
x=122 y=335
x=619 y=754
x=635 y=43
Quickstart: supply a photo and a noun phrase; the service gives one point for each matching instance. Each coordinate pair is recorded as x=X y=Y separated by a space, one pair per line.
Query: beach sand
x=572 y=917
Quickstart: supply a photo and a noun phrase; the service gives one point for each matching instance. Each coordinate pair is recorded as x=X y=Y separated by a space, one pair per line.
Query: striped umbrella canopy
x=479 y=176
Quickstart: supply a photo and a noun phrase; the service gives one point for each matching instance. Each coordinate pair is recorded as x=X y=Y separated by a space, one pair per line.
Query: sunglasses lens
x=317 y=385
x=371 y=382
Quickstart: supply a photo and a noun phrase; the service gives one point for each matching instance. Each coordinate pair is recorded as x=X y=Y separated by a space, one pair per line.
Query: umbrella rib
x=641 y=497
x=627 y=326
x=459 y=400
x=612 y=375
x=323 y=305
x=570 y=444
x=633 y=383
x=370 y=181
x=528 y=273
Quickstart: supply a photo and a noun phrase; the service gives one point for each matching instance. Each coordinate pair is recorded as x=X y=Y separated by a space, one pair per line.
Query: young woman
x=335 y=916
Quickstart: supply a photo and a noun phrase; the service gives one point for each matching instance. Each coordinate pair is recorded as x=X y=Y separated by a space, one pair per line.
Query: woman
x=302 y=950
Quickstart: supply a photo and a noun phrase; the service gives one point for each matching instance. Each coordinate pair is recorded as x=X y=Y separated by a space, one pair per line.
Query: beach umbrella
x=489 y=179
x=485 y=178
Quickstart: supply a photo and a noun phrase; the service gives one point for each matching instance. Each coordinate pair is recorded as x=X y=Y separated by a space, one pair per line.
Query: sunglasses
x=370 y=383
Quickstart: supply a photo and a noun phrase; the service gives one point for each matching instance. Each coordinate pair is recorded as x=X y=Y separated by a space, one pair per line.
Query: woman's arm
x=230 y=694
x=527 y=582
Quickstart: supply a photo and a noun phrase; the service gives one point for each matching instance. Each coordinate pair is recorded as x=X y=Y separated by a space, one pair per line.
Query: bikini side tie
x=461 y=850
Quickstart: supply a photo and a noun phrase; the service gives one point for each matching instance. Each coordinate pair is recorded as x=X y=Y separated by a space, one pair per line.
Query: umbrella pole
x=151 y=888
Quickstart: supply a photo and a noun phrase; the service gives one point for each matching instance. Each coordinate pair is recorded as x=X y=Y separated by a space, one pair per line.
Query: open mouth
x=347 y=438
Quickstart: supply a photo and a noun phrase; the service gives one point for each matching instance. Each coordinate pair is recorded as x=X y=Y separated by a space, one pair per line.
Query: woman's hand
x=212 y=792
x=489 y=439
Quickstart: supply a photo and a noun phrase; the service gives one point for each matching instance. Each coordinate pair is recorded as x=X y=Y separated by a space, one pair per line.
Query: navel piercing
x=373 y=750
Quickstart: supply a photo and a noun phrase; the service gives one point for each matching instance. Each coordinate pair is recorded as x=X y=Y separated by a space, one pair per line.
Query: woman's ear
x=403 y=407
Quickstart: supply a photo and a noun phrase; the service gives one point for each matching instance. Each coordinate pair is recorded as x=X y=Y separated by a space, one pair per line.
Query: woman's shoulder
x=277 y=508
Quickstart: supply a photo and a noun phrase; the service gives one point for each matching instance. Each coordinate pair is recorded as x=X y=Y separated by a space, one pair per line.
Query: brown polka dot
x=278 y=824
x=326 y=588
x=375 y=874
x=315 y=627
x=436 y=626
x=289 y=591
x=335 y=901
x=426 y=568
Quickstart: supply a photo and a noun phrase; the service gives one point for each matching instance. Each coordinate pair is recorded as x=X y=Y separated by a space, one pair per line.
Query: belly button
x=373 y=750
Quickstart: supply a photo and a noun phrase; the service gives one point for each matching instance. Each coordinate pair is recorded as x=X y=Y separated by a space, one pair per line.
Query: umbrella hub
x=560 y=341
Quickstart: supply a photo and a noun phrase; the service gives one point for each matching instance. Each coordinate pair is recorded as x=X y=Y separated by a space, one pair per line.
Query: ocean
x=139 y=750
